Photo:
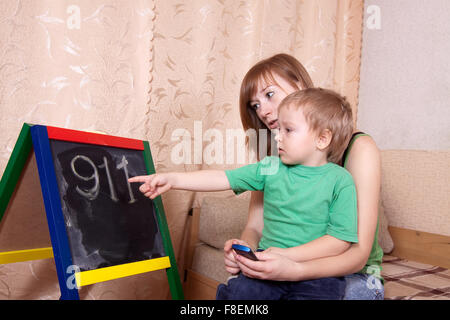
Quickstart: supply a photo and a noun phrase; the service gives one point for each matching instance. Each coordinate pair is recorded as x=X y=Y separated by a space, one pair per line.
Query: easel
x=20 y=196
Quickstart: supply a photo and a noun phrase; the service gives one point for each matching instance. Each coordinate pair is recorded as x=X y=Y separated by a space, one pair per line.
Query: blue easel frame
x=53 y=208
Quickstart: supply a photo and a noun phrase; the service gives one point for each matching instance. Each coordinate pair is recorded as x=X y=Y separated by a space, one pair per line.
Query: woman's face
x=267 y=99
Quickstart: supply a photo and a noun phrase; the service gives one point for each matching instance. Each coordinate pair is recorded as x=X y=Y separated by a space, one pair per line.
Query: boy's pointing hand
x=152 y=185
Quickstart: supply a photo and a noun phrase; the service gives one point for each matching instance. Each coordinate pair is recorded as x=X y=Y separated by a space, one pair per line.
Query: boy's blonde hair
x=325 y=109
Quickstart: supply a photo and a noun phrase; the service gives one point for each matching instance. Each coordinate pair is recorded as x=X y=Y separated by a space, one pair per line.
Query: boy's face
x=296 y=142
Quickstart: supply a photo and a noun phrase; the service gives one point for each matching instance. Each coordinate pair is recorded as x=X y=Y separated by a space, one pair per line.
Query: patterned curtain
x=162 y=70
x=203 y=50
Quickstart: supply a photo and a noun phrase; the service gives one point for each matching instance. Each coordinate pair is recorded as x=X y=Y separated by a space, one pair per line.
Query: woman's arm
x=324 y=246
x=250 y=235
x=255 y=222
x=365 y=166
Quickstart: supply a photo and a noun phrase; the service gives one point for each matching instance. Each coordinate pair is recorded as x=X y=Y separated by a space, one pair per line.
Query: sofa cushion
x=208 y=261
x=384 y=237
x=222 y=219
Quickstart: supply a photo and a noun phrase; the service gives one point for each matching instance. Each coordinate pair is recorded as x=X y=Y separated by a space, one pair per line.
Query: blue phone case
x=244 y=251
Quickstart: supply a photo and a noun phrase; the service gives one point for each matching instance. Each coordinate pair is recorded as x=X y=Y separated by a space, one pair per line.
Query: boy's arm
x=203 y=180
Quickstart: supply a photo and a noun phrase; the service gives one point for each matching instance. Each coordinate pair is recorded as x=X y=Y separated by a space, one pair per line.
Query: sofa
x=414 y=223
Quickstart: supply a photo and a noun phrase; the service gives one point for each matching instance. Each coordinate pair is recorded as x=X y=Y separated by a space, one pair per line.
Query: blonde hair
x=325 y=109
x=283 y=65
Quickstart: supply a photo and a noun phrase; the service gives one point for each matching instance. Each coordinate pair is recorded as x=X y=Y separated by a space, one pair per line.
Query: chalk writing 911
x=92 y=193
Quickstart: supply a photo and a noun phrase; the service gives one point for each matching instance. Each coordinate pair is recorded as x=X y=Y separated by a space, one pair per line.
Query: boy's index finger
x=138 y=179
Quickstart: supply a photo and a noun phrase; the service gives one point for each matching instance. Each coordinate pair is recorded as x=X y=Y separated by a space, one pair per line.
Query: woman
x=263 y=88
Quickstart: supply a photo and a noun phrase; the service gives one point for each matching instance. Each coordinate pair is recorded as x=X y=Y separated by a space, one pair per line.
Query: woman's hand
x=271 y=266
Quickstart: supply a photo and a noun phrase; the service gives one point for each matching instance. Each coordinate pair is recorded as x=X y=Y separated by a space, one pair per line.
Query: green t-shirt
x=300 y=203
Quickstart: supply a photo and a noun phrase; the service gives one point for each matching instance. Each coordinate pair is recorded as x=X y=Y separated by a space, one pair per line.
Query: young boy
x=306 y=197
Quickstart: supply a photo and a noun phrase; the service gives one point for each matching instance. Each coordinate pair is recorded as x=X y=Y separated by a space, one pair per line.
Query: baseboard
x=421 y=246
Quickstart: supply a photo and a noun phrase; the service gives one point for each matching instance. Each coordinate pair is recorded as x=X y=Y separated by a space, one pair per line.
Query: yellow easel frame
x=25 y=255
x=85 y=278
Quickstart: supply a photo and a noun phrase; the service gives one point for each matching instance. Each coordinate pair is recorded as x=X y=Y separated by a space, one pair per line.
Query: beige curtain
x=145 y=69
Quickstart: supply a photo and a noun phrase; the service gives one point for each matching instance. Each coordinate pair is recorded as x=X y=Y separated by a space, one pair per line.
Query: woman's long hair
x=283 y=65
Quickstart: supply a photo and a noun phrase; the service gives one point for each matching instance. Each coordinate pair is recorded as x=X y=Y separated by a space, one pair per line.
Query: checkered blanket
x=409 y=280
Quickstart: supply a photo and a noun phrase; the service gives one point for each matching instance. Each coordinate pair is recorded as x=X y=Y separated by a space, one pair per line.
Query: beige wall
x=82 y=65
x=404 y=97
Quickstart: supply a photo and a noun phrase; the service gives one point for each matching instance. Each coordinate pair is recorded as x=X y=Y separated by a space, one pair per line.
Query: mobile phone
x=244 y=251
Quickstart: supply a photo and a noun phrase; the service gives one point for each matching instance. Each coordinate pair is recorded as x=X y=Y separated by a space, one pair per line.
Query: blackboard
x=108 y=221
